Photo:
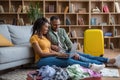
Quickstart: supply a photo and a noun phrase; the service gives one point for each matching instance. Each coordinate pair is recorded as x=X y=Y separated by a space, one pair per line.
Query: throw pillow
x=4 y=42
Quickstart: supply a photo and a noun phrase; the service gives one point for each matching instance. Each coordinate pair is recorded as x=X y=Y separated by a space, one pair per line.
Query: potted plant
x=34 y=12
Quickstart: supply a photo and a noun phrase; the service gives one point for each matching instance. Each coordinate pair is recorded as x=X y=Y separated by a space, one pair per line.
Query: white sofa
x=19 y=54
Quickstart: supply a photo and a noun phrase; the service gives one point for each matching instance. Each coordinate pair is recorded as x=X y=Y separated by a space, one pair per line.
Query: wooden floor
x=111 y=54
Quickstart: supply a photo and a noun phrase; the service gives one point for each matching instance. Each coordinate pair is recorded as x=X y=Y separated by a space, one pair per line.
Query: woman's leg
x=84 y=64
x=60 y=62
x=100 y=59
x=66 y=62
x=52 y=61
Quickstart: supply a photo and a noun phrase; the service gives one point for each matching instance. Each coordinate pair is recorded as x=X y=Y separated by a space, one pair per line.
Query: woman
x=43 y=53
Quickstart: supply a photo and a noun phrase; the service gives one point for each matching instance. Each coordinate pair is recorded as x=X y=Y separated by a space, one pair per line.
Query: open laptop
x=72 y=52
x=73 y=49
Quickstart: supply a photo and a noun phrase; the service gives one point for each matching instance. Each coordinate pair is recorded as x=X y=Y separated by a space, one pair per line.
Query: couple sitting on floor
x=49 y=42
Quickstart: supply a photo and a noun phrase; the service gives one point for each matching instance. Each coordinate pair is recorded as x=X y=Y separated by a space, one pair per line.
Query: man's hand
x=76 y=56
x=55 y=47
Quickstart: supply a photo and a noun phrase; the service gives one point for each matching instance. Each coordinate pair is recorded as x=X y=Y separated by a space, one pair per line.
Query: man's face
x=55 y=24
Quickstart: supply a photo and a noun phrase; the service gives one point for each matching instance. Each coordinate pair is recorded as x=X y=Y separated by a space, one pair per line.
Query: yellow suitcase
x=93 y=42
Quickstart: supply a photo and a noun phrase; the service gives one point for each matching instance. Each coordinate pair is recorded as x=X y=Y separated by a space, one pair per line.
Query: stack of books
x=51 y=8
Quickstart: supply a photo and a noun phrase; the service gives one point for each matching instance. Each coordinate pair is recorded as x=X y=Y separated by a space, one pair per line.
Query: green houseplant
x=34 y=12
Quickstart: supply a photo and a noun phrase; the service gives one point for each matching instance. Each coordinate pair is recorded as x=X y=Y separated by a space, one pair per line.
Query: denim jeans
x=92 y=59
x=85 y=61
x=60 y=62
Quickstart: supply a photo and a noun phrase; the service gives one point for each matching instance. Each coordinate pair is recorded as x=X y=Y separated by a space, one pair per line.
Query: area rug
x=19 y=74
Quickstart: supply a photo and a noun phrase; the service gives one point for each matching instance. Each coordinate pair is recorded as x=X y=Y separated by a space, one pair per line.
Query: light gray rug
x=19 y=74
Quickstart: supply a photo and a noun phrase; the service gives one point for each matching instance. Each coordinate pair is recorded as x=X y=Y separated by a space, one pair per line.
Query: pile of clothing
x=73 y=72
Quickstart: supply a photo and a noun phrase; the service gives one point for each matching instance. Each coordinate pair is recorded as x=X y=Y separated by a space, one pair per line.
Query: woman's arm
x=38 y=50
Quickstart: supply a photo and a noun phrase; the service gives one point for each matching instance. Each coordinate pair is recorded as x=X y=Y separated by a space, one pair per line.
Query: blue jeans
x=85 y=61
x=60 y=62
x=92 y=59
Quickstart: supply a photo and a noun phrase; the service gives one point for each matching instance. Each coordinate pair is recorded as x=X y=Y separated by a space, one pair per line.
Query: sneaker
x=97 y=68
x=117 y=63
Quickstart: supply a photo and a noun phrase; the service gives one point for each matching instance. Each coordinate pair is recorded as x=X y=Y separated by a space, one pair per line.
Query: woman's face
x=45 y=28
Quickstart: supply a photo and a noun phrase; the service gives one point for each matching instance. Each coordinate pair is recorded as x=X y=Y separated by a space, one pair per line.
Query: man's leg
x=85 y=59
x=100 y=59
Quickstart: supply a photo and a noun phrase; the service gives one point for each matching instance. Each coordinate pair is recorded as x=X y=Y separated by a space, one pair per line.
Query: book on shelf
x=117 y=7
x=106 y=9
x=12 y=8
x=115 y=32
x=72 y=8
x=19 y=10
x=68 y=22
x=51 y=8
x=66 y=9
x=81 y=21
x=1 y=9
x=59 y=9
x=93 y=21
x=112 y=20
x=73 y=33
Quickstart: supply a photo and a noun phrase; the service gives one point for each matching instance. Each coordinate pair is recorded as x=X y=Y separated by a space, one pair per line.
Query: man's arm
x=67 y=40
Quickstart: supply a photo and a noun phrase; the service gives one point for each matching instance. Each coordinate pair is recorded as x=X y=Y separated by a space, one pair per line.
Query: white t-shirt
x=59 y=43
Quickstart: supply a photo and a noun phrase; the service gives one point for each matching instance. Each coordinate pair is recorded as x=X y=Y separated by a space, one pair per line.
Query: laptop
x=72 y=52
x=73 y=49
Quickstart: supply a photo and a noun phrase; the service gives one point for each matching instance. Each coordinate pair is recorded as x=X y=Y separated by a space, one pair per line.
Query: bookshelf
x=75 y=15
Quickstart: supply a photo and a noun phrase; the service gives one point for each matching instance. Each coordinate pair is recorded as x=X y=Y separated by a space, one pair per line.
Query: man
x=61 y=43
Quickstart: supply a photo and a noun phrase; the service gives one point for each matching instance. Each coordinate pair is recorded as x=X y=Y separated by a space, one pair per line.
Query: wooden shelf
x=79 y=12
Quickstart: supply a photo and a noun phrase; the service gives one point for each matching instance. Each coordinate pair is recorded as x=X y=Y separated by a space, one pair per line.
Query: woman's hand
x=76 y=56
x=63 y=55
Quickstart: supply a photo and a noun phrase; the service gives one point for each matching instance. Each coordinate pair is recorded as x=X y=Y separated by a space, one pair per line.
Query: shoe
x=97 y=68
x=117 y=63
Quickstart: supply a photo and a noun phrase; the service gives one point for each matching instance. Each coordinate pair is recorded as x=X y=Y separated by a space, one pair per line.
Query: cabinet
x=75 y=15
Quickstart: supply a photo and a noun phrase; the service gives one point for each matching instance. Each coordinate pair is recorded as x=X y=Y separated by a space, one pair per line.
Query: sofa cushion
x=4 y=41
x=5 y=32
x=10 y=54
x=20 y=34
